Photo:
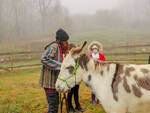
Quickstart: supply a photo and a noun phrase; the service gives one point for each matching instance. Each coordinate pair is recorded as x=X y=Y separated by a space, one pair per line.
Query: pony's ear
x=79 y=49
x=84 y=44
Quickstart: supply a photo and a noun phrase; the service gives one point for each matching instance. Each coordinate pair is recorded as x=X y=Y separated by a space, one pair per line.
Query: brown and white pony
x=122 y=88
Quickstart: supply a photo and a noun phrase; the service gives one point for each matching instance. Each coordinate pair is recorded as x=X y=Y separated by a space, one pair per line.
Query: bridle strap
x=74 y=73
x=65 y=81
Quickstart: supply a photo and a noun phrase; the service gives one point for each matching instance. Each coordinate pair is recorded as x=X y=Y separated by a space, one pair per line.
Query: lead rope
x=62 y=102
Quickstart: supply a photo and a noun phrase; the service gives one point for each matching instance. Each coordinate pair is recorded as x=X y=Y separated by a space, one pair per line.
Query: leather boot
x=78 y=108
x=71 y=110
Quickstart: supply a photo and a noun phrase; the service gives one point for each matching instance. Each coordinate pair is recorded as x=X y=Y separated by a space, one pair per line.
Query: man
x=51 y=60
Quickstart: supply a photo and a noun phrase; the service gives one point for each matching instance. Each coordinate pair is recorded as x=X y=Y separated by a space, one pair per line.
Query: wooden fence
x=11 y=61
x=130 y=46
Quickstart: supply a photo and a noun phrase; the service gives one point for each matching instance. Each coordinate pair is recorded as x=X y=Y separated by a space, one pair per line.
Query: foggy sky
x=88 y=6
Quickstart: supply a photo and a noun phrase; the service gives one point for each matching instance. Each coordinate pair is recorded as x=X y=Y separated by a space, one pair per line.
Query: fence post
x=149 y=60
x=11 y=57
x=128 y=50
x=29 y=50
x=134 y=49
x=116 y=47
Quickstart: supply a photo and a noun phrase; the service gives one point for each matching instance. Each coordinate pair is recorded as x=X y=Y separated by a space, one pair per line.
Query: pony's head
x=70 y=73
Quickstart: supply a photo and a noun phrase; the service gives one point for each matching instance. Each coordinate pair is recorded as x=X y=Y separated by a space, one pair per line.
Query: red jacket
x=101 y=57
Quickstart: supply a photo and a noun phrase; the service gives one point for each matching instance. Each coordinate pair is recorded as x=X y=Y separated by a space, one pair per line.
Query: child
x=95 y=51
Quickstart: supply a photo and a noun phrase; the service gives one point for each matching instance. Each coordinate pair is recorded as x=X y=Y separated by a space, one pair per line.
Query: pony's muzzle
x=59 y=88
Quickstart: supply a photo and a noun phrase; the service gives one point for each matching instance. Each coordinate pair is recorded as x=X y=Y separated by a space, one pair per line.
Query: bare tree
x=44 y=6
x=1 y=11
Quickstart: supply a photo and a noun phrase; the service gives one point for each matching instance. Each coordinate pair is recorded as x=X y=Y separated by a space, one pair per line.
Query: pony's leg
x=93 y=98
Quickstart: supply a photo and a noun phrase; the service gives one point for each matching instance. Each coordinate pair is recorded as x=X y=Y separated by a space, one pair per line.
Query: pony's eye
x=70 y=69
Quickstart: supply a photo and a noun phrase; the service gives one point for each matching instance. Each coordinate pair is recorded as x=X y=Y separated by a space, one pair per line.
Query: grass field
x=20 y=93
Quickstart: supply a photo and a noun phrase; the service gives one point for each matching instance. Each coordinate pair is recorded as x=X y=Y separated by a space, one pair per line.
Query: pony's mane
x=98 y=65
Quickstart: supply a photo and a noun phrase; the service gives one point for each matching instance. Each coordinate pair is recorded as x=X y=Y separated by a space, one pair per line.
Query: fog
x=26 y=19
x=88 y=6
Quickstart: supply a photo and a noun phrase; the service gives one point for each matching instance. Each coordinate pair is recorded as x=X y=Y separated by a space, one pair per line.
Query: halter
x=74 y=73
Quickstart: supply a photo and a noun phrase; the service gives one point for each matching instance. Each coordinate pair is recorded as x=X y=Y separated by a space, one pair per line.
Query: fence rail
x=18 y=53
x=129 y=60
x=124 y=47
x=32 y=65
x=106 y=48
x=18 y=60
x=29 y=59
x=127 y=53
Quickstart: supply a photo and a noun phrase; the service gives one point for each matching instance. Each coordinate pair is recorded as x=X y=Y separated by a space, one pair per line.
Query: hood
x=98 y=44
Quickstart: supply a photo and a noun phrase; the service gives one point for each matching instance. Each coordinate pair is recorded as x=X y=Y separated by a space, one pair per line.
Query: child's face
x=95 y=50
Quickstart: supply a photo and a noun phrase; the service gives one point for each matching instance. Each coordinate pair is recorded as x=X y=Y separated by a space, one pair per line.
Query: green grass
x=20 y=93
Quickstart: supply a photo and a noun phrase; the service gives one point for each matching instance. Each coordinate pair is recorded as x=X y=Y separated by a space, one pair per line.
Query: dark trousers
x=74 y=91
x=53 y=102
